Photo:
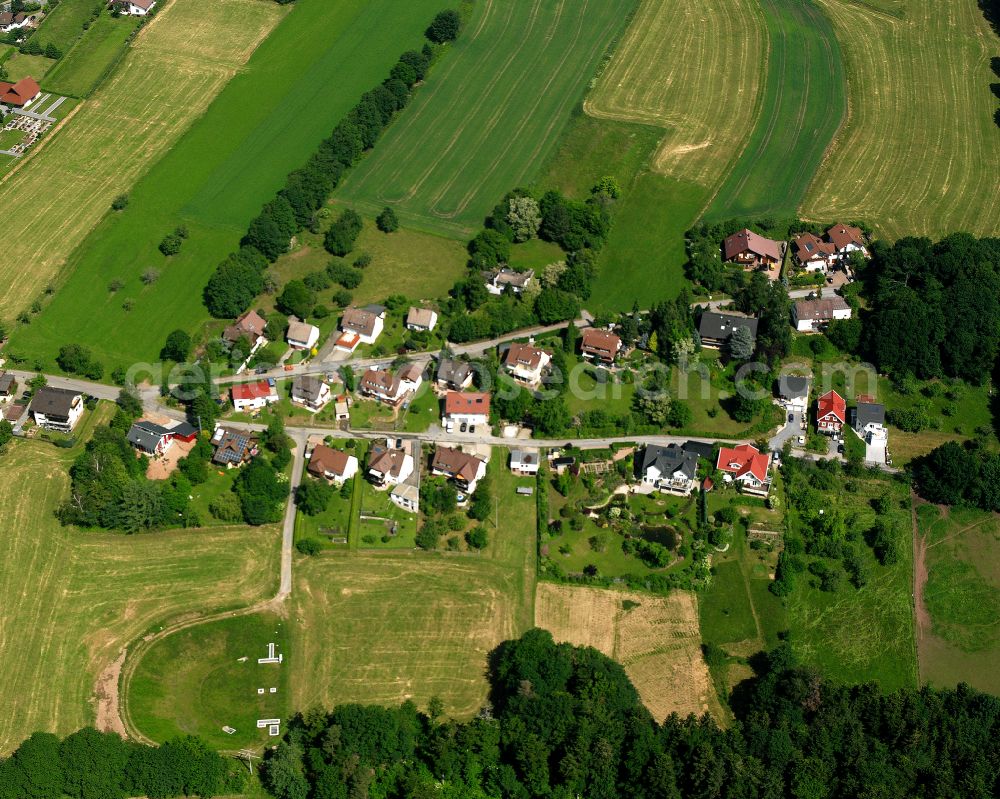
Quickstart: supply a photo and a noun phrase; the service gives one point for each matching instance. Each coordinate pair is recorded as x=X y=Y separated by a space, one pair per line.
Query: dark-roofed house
x=703 y=449
x=715 y=327
x=149 y=437
x=454 y=374
x=749 y=249
x=793 y=391
x=465 y=469
x=310 y=392
x=8 y=386
x=332 y=464
x=524 y=461
x=10 y=21
x=670 y=469
x=868 y=419
x=233 y=447
x=810 y=316
x=601 y=345
x=57 y=408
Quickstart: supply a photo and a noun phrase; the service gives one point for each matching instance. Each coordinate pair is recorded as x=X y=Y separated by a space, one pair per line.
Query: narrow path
x=922 y=618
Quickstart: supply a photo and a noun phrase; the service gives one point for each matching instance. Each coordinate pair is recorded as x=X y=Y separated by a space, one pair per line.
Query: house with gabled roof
x=847 y=239
x=469 y=408
x=454 y=374
x=831 y=413
x=233 y=447
x=389 y=464
x=600 y=345
x=751 y=250
x=671 y=469
x=57 y=409
x=812 y=316
x=20 y=94
x=331 y=464
x=793 y=392
x=715 y=328
x=254 y=396
x=310 y=392
x=502 y=279
x=813 y=254
x=391 y=387
x=747 y=467
x=526 y=363
x=360 y=326
x=421 y=319
x=466 y=470
x=301 y=335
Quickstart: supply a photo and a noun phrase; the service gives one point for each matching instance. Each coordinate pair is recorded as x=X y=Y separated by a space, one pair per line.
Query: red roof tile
x=832 y=403
x=740 y=460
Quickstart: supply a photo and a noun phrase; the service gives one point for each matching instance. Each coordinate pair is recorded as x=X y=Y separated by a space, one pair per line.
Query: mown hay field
x=918 y=152
x=267 y=122
x=655 y=638
x=489 y=114
x=688 y=68
x=72 y=599
x=177 y=65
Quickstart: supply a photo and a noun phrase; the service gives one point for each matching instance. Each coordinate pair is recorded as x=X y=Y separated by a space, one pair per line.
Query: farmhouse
x=715 y=328
x=466 y=470
x=524 y=462
x=8 y=387
x=389 y=464
x=250 y=326
x=331 y=464
x=137 y=8
x=601 y=345
x=526 y=363
x=793 y=392
x=301 y=335
x=811 y=316
x=253 y=396
x=57 y=408
x=751 y=250
x=391 y=387
x=831 y=413
x=20 y=94
x=454 y=375
x=746 y=466
x=671 y=469
x=502 y=279
x=310 y=392
x=847 y=239
x=421 y=319
x=155 y=439
x=465 y=409
x=813 y=254
x=233 y=448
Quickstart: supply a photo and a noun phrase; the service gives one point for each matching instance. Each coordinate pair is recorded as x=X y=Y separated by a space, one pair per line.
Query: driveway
x=789 y=431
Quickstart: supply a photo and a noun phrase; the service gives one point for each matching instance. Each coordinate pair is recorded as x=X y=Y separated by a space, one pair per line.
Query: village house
x=793 y=393
x=751 y=250
x=847 y=239
x=453 y=374
x=253 y=396
x=155 y=439
x=233 y=448
x=391 y=387
x=421 y=319
x=406 y=496
x=672 y=469
x=602 y=346
x=465 y=469
x=715 y=328
x=526 y=363
x=811 y=316
x=331 y=464
x=747 y=467
x=56 y=408
x=389 y=464
x=250 y=326
x=502 y=279
x=137 y=8
x=10 y=21
x=868 y=419
x=8 y=387
x=310 y=392
x=524 y=462
x=360 y=326
x=813 y=254
x=465 y=410
x=301 y=335
x=831 y=413
x=20 y=94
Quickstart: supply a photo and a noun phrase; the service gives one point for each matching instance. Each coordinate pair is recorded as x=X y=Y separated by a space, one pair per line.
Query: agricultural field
x=268 y=121
x=802 y=105
x=79 y=70
x=958 y=578
x=911 y=156
x=180 y=61
x=488 y=115
x=655 y=638
x=73 y=599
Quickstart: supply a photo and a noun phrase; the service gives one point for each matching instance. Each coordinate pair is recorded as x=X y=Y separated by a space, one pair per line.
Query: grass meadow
x=802 y=105
x=488 y=115
x=79 y=70
x=72 y=599
x=267 y=121
x=961 y=555
x=913 y=155
x=20 y=65
x=64 y=26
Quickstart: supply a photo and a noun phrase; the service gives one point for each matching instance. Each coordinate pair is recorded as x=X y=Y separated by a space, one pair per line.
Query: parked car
x=791 y=417
x=802 y=440
x=463 y=427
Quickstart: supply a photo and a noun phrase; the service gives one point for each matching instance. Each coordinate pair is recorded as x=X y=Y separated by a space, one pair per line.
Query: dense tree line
x=239 y=278
x=98 y=765
x=566 y=722
x=935 y=307
x=959 y=474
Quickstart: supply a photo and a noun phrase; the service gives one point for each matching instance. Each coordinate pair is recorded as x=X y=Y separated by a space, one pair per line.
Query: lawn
x=21 y=65
x=65 y=25
x=268 y=121
x=72 y=599
x=202 y=678
x=802 y=105
x=910 y=157
x=488 y=115
x=378 y=532
x=79 y=70
x=961 y=640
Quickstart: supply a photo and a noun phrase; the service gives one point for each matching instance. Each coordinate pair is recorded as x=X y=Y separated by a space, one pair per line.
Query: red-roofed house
x=752 y=250
x=20 y=94
x=814 y=254
x=253 y=396
x=847 y=239
x=831 y=413
x=468 y=409
x=525 y=362
x=601 y=345
x=747 y=466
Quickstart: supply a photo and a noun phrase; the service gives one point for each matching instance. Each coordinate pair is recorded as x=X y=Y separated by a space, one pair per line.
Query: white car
x=802 y=440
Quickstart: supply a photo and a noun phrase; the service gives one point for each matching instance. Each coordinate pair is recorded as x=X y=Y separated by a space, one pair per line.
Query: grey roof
x=670 y=459
x=702 y=449
x=308 y=387
x=869 y=413
x=721 y=325
x=452 y=371
x=55 y=402
x=146 y=435
x=793 y=386
x=7 y=381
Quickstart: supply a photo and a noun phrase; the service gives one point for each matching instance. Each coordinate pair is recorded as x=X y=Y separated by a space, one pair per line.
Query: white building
x=469 y=409
x=421 y=319
x=389 y=464
x=310 y=392
x=811 y=316
x=138 y=8
x=526 y=362
x=301 y=336
x=254 y=396
x=56 y=408
x=524 y=461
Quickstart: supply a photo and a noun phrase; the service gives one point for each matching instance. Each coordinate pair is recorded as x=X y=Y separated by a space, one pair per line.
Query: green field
x=489 y=114
x=72 y=599
x=267 y=122
x=20 y=66
x=78 y=71
x=961 y=554
x=65 y=25
x=802 y=105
